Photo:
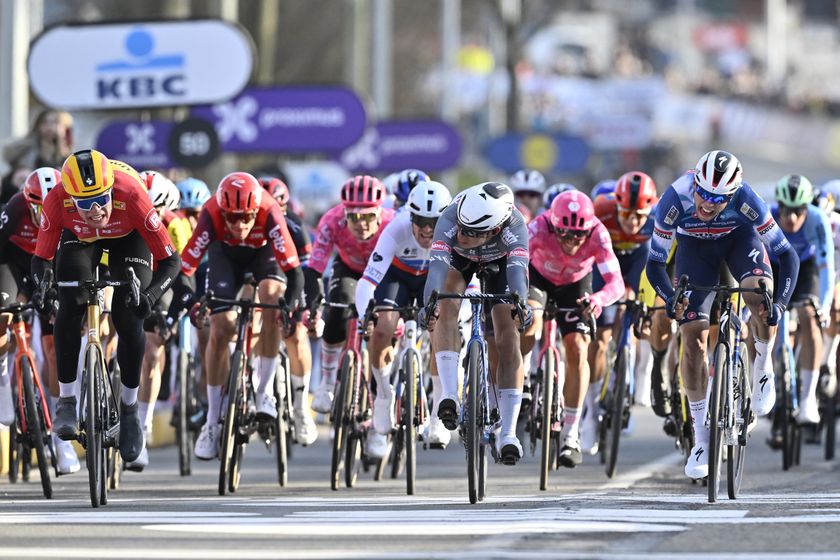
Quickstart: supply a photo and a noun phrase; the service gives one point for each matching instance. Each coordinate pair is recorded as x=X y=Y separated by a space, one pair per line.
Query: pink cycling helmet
x=572 y=210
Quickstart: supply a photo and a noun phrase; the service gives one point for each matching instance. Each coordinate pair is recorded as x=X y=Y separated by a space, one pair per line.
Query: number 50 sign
x=192 y=143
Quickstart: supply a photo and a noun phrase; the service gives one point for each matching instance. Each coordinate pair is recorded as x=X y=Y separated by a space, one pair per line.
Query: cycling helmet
x=827 y=195
x=406 y=181
x=239 y=192
x=604 y=187
x=573 y=210
x=635 y=191
x=277 y=188
x=390 y=183
x=794 y=191
x=362 y=191
x=39 y=183
x=194 y=193
x=527 y=180
x=554 y=190
x=162 y=191
x=428 y=199
x=87 y=173
x=485 y=207
x=718 y=172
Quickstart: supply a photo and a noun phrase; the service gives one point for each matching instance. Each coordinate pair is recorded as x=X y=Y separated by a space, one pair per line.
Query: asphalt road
x=650 y=510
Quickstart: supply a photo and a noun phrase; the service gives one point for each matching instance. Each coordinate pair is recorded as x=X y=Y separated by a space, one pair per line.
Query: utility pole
x=383 y=57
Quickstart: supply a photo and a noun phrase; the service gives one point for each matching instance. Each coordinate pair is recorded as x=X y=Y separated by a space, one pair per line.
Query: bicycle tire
x=830 y=420
x=107 y=420
x=736 y=454
x=546 y=420
x=114 y=465
x=355 y=437
x=36 y=425
x=93 y=428
x=341 y=407
x=15 y=451
x=616 y=416
x=472 y=439
x=786 y=412
x=182 y=431
x=228 y=442
x=280 y=428
x=716 y=414
x=410 y=391
x=241 y=432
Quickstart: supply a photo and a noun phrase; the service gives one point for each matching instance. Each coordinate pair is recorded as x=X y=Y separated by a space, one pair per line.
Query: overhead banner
x=396 y=145
x=548 y=153
x=148 y=64
x=288 y=119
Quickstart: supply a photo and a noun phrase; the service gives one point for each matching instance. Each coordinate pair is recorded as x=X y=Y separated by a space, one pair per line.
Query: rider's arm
x=10 y=218
x=609 y=268
x=516 y=239
x=377 y=266
x=50 y=227
x=825 y=259
x=285 y=253
x=323 y=247
x=668 y=211
x=301 y=237
x=773 y=237
x=202 y=236
x=439 y=260
x=157 y=239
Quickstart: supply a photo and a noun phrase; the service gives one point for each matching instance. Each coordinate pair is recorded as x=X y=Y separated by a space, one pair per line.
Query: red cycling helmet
x=277 y=188
x=572 y=210
x=39 y=183
x=362 y=191
x=635 y=191
x=239 y=192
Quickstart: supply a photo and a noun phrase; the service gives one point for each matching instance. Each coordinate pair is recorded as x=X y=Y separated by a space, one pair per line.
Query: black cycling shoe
x=65 y=423
x=670 y=426
x=775 y=440
x=131 y=432
x=510 y=455
x=570 y=457
x=811 y=434
x=448 y=413
x=525 y=408
x=659 y=394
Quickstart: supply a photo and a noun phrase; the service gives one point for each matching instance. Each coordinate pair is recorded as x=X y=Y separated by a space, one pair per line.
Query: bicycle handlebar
x=684 y=286
x=512 y=299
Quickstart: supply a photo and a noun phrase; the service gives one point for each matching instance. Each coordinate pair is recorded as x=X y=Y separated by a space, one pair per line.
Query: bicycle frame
x=549 y=344
x=729 y=336
x=24 y=352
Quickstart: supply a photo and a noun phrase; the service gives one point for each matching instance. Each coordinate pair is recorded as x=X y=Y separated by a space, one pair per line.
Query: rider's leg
x=300 y=364
x=660 y=335
x=381 y=356
x=269 y=290
x=150 y=374
x=446 y=339
x=810 y=352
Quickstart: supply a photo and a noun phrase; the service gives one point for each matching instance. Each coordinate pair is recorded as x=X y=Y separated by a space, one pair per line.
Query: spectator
x=48 y=143
x=11 y=182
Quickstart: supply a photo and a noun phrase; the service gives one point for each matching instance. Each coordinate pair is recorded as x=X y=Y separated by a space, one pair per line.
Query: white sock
x=698 y=420
x=591 y=400
x=67 y=389
x=300 y=391
x=383 y=384
x=829 y=348
x=809 y=381
x=526 y=361
x=571 y=422
x=147 y=414
x=447 y=365
x=762 y=357
x=509 y=402
x=265 y=380
x=437 y=392
x=214 y=404
x=330 y=353
x=128 y=395
x=5 y=378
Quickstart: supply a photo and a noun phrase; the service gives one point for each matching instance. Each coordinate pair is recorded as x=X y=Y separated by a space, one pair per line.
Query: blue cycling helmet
x=554 y=190
x=604 y=187
x=407 y=180
x=194 y=193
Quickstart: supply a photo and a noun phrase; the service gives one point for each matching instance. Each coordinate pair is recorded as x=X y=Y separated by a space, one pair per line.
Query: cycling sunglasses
x=239 y=217
x=572 y=233
x=473 y=233
x=35 y=209
x=627 y=214
x=712 y=197
x=356 y=217
x=423 y=221
x=792 y=211
x=88 y=203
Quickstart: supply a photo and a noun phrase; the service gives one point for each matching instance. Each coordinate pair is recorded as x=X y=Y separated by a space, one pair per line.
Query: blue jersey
x=814 y=240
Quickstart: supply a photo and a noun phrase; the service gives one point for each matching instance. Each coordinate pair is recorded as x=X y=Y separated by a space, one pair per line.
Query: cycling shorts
x=341 y=289
x=495 y=280
x=542 y=290
x=808 y=282
x=399 y=288
x=228 y=267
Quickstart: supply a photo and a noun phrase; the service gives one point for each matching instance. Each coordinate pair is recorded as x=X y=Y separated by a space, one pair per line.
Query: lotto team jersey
x=16 y=225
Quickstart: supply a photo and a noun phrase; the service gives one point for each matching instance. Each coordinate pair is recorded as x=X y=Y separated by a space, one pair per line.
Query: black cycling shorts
x=543 y=290
x=228 y=266
x=399 y=288
x=341 y=289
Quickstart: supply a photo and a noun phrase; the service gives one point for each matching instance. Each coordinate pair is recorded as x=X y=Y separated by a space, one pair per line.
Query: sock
x=330 y=353
x=447 y=365
x=147 y=414
x=809 y=381
x=265 y=380
x=571 y=422
x=437 y=392
x=214 y=403
x=53 y=404
x=383 y=382
x=5 y=378
x=591 y=400
x=698 y=420
x=128 y=395
x=762 y=357
x=67 y=389
x=300 y=391
x=509 y=402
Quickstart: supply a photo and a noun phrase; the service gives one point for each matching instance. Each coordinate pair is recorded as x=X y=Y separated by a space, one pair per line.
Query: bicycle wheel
x=281 y=426
x=830 y=421
x=736 y=454
x=15 y=451
x=411 y=370
x=182 y=429
x=36 y=424
x=717 y=415
x=785 y=412
x=228 y=442
x=114 y=465
x=472 y=439
x=340 y=417
x=616 y=410
x=355 y=436
x=93 y=427
x=546 y=419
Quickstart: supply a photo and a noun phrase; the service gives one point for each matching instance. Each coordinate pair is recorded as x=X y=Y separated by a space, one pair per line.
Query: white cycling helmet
x=485 y=207
x=718 y=172
x=527 y=180
x=162 y=191
x=428 y=199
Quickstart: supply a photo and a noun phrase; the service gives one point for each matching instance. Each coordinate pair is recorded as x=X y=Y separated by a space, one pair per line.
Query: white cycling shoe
x=509 y=449
x=383 y=414
x=376 y=446
x=764 y=393
x=7 y=406
x=65 y=454
x=305 y=429
x=322 y=398
x=589 y=436
x=809 y=411
x=438 y=437
x=697 y=466
x=207 y=444
x=266 y=405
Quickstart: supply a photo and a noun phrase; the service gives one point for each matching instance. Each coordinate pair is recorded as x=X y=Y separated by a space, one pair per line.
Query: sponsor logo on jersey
x=441 y=246
x=45 y=222
x=452 y=231
x=277 y=239
x=68 y=203
x=519 y=252
x=758 y=272
x=374 y=274
x=119 y=205
x=509 y=237
x=376 y=257
x=201 y=243
x=671 y=216
x=138 y=260
x=747 y=211
x=766 y=227
x=152 y=221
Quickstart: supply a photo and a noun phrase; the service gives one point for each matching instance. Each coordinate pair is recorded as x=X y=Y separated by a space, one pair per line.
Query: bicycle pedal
x=435 y=446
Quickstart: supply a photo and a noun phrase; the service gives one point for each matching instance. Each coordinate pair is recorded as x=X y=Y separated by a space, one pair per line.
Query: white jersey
x=396 y=248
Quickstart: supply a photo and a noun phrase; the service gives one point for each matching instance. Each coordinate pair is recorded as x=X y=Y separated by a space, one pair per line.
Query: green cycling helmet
x=794 y=191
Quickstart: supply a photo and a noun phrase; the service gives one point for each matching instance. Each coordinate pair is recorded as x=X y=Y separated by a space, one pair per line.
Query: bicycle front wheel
x=411 y=389
x=340 y=417
x=182 y=430
x=228 y=442
x=547 y=416
x=736 y=454
x=717 y=416
x=281 y=424
x=617 y=409
x=472 y=419
x=358 y=410
x=830 y=421
x=94 y=449
x=36 y=424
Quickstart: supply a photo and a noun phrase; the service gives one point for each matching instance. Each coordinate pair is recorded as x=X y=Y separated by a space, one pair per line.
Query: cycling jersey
x=300 y=237
x=511 y=244
x=676 y=213
x=551 y=261
x=606 y=210
x=334 y=234
x=814 y=241
x=179 y=229
x=16 y=225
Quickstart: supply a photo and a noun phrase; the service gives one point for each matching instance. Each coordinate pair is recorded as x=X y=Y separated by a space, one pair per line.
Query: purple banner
x=142 y=145
x=396 y=145
x=291 y=119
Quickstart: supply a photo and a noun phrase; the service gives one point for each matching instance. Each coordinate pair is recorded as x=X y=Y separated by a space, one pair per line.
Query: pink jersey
x=549 y=259
x=333 y=234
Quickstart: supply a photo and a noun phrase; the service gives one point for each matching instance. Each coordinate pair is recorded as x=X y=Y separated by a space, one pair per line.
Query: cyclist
x=552 y=192
x=567 y=244
x=103 y=205
x=404 y=183
x=826 y=199
x=481 y=226
x=603 y=187
x=719 y=218
x=809 y=231
x=242 y=230
x=528 y=189
x=297 y=339
x=625 y=213
x=352 y=228
x=395 y=275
